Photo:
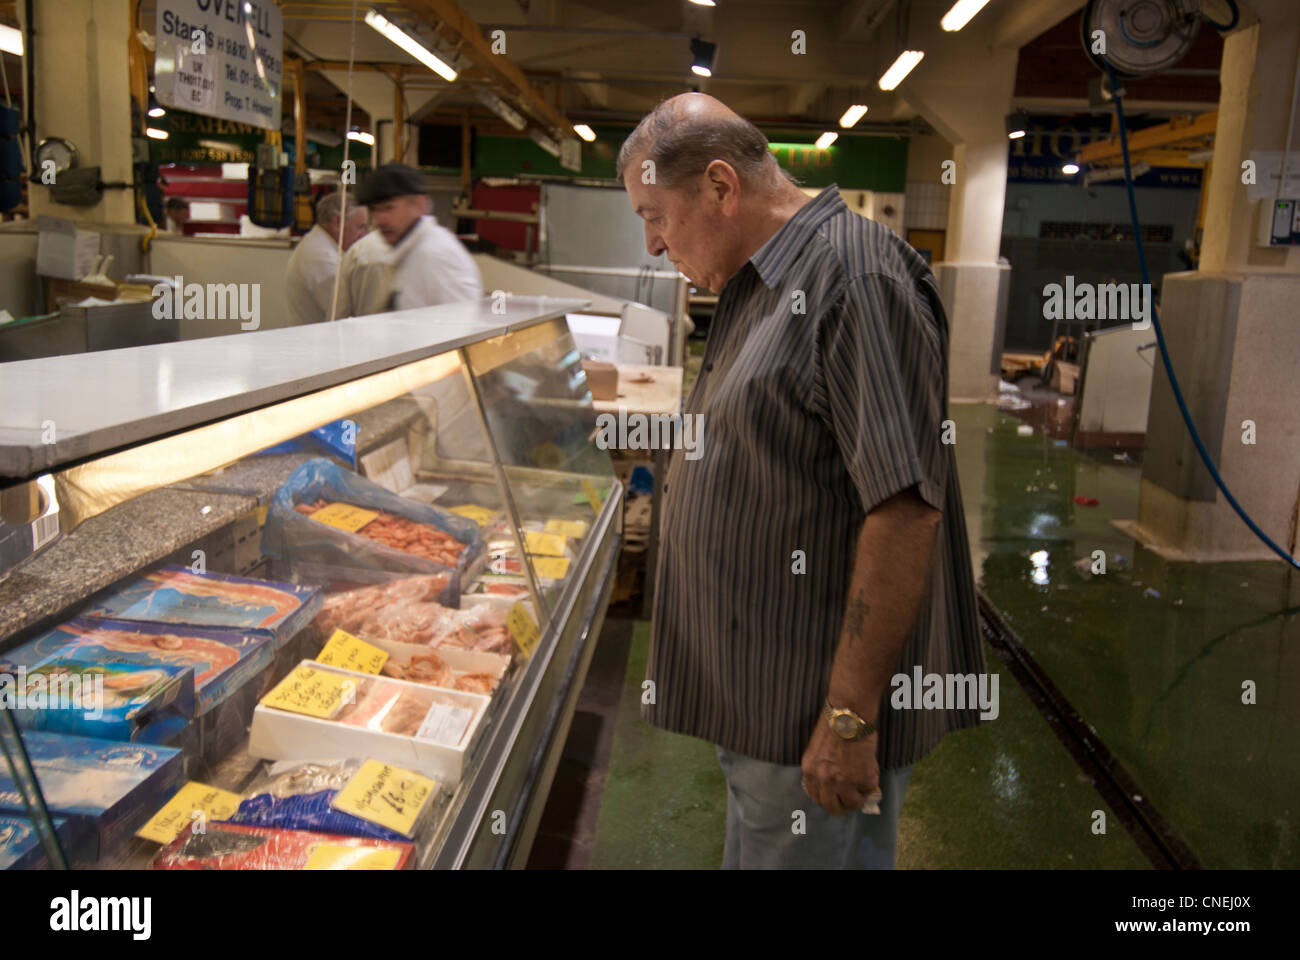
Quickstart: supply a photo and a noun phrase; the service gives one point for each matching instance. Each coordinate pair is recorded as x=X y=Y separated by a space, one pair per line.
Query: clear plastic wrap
x=297 y=796
x=404 y=611
x=231 y=846
x=307 y=548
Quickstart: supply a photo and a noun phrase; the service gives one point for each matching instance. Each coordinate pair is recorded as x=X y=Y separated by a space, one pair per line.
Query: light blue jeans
x=765 y=832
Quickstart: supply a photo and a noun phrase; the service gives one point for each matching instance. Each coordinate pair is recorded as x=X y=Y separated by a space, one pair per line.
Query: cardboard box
x=602 y=379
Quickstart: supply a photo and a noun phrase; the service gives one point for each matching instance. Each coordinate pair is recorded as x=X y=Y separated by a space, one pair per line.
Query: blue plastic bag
x=309 y=551
x=333 y=439
x=307 y=811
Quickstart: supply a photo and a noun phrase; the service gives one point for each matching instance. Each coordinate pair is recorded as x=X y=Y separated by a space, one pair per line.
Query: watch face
x=845 y=726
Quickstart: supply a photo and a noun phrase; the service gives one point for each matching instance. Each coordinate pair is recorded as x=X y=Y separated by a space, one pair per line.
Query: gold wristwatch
x=847 y=725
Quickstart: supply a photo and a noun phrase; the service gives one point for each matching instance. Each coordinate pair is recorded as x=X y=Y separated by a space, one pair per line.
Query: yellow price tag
x=480 y=515
x=345 y=516
x=567 y=528
x=386 y=795
x=339 y=856
x=545 y=544
x=551 y=568
x=209 y=803
x=317 y=693
x=352 y=653
x=593 y=495
x=523 y=628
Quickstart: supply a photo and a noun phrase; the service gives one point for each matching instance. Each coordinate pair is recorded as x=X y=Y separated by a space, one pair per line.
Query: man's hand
x=840 y=775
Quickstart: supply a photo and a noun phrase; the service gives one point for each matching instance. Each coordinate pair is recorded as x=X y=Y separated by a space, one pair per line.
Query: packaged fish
x=298 y=796
x=108 y=697
x=329 y=526
x=232 y=846
x=108 y=790
x=222 y=660
x=177 y=595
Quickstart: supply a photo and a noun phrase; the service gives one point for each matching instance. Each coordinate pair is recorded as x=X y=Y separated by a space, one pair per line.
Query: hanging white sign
x=220 y=58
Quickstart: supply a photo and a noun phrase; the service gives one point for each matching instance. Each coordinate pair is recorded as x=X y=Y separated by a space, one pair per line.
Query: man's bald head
x=686 y=133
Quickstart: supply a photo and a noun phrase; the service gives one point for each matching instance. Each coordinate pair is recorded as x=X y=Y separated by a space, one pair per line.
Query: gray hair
x=330 y=208
x=682 y=145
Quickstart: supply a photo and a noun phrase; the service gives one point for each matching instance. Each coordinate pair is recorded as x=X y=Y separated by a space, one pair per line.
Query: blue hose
x=1160 y=336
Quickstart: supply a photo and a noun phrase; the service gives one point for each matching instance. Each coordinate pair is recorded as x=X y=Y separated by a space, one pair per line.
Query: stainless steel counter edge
x=92 y=403
x=466 y=820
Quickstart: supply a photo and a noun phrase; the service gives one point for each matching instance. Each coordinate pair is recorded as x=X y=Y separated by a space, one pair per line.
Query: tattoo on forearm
x=855 y=618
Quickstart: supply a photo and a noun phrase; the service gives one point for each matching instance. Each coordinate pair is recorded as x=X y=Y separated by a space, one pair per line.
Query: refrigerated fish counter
x=319 y=597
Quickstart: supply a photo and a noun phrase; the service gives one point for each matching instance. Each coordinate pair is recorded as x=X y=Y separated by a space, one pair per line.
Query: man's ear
x=723 y=185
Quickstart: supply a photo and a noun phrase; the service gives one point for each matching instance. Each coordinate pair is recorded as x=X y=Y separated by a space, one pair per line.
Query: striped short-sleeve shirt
x=823 y=393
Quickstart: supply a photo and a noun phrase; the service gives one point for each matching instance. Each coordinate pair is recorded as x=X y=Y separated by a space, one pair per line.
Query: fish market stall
x=320 y=598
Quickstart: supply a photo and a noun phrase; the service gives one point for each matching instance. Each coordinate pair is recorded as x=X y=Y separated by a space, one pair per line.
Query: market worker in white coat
x=408 y=260
x=309 y=281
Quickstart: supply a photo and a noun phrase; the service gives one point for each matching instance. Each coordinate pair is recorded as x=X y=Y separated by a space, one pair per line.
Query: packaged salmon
x=232 y=846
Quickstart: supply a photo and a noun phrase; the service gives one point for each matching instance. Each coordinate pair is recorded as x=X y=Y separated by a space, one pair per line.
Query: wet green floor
x=1154 y=655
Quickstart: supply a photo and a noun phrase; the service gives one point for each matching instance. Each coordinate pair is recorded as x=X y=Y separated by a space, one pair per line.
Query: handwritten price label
x=352 y=653
x=545 y=544
x=344 y=516
x=523 y=628
x=340 y=856
x=167 y=824
x=386 y=795
x=316 y=693
x=567 y=528
x=551 y=568
x=480 y=515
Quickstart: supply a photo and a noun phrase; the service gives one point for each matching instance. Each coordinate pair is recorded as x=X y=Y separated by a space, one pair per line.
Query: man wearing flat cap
x=408 y=260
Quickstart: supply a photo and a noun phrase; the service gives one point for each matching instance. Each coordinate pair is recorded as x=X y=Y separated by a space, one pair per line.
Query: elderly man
x=409 y=260
x=309 y=281
x=817 y=546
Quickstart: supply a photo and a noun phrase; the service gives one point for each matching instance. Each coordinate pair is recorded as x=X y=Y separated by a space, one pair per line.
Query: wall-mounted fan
x=1146 y=36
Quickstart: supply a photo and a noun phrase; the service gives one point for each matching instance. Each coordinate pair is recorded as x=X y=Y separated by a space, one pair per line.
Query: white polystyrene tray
x=283 y=735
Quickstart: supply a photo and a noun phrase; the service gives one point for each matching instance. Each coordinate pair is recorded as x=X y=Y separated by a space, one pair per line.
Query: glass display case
x=255 y=588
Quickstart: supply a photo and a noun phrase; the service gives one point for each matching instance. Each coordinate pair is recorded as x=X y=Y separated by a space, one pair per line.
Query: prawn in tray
x=411 y=725
x=326 y=525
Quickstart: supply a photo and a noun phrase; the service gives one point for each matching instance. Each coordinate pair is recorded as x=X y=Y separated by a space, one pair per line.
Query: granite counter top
x=107 y=548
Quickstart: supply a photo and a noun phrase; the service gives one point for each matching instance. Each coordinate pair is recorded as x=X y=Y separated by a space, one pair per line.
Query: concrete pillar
x=969 y=109
x=83 y=95
x=1231 y=333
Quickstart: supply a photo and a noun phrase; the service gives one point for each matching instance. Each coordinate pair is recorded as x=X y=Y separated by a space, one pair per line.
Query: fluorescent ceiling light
x=826 y=139
x=412 y=46
x=1015 y=134
x=156 y=134
x=1070 y=169
x=157 y=112
x=852 y=115
x=362 y=137
x=702 y=53
x=907 y=60
x=584 y=131
x=961 y=14
x=11 y=40
x=704 y=3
